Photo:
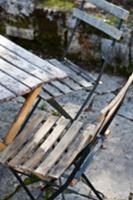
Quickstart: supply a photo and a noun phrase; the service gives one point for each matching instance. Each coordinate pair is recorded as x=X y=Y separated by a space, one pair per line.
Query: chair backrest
x=110 y=8
x=100 y=24
x=114 y=32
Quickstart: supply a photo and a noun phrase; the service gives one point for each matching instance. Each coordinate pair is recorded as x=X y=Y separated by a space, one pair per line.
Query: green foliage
x=48 y=193
x=43 y=106
x=55 y=113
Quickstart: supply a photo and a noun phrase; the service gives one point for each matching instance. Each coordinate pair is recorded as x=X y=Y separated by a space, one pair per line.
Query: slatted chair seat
x=49 y=149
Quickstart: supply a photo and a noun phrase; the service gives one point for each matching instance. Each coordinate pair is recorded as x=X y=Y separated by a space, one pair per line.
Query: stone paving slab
x=112 y=170
x=127 y=109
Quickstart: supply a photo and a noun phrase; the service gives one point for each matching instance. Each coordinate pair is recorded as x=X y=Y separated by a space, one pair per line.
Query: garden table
x=19 y=77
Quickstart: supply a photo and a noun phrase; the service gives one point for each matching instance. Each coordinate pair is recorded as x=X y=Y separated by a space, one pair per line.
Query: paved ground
x=112 y=170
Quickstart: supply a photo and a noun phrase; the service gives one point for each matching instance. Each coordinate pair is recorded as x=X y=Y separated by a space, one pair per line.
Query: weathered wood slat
x=62 y=87
x=111 y=8
x=45 y=95
x=80 y=142
x=32 y=58
x=71 y=84
x=103 y=123
x=61 y=125
x=84 y=73
x=99 y=24
x=120 y=95
x=5 y=94
x=34 y=142
x=15 y=146
x=78 y=79
x=24 y=65
x=46 y=165
x=52 y=90
x=73 y=109
x=19 y=75
x=14 y=86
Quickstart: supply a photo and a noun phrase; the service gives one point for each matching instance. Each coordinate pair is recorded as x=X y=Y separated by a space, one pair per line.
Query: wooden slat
x=5 y=94
x=45 y=95
x=113 y=106
x=99 y=24
x=34 y=142
x=111 y=8
x=30 y=100
x=104 y=122
x=62 y=87
x=116 y=99
x=52 y=90
x=72 y=108
x=80 y=142
x=77 y=78
x=73 y=85
x=84 y=73
x=61 y=125
x=32 y=58
x=24 y=65
x=46 y=165
x=15 y=146
x=19 y=75
x=14 y=86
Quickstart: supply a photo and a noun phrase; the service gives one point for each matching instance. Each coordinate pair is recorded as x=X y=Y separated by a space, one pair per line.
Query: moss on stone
x=59 y=4
x=20 y=22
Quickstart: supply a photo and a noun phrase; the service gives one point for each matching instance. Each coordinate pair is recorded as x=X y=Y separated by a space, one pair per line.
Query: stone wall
x=18 y=7
x=51 y=30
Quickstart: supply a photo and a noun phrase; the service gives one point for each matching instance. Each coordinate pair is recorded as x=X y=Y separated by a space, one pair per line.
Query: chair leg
x=62 y=194
x=64 y=186
x=98 y=194
x=30 y=114
x=72 y=175
x=59 y=108
x=22 y=184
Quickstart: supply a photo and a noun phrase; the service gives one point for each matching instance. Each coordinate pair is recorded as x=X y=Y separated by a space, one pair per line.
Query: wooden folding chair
x=47 y=147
